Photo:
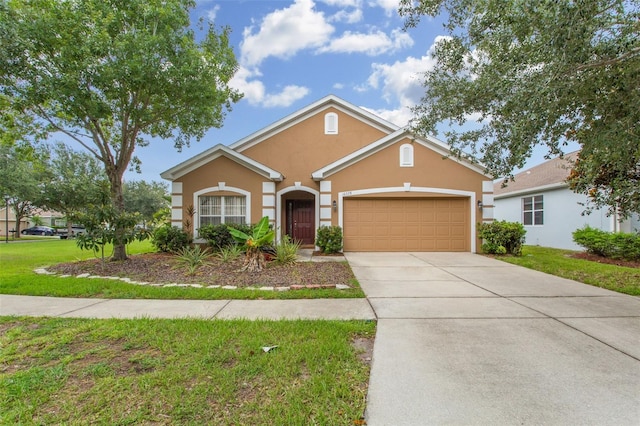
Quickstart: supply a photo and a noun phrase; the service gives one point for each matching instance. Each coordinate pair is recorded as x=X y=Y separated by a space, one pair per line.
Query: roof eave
x=525 y=191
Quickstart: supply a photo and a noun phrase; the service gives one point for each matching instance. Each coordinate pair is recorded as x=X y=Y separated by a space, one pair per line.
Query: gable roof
x=215 y=152
x=364 y=152
x=548 y=175
x=312 y=109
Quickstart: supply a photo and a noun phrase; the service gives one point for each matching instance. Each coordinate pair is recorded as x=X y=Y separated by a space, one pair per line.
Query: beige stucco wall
x=303 y=148
x=430 y=170
x=224 y=170
x=298 y=151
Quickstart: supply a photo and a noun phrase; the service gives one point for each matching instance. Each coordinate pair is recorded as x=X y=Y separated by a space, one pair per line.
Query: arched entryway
x=298 y=213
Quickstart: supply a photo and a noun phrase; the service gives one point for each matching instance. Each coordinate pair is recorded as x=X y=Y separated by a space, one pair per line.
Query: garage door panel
x=416 y=224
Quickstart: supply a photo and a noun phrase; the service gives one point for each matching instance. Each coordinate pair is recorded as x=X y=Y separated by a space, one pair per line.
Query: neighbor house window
x=215 y=210
x=331 y=123
x=406 y=155
x=533 y=210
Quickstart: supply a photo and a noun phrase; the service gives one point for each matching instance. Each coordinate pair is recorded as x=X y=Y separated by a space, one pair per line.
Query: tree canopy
x=74 y=180
x=23 y=171
x=146 y=198
x=541 y=72
x=112 y=74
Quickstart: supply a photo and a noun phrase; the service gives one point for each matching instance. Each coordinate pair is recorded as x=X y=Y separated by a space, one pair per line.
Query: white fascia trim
x=304 y=113
x=542 y=188
x=217 y=152
x=431 y=143
x=444 y=191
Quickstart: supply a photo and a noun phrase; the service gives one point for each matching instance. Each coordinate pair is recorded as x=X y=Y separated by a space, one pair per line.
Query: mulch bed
x=162 y=268
x=595 y=258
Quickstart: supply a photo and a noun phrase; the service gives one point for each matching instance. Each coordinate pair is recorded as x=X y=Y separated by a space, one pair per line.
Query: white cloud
x=343 y=3
x=348 y=17
x=256 y=94
x=212 y=13
x=372 y=44
x=390 y=6
x=286 y=97
x=401 y=81
x=400 y=117
x=284 y=32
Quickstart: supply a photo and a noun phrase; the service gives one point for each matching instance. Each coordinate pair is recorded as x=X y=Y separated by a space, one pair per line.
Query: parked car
x=75 y=231
x=38 y=230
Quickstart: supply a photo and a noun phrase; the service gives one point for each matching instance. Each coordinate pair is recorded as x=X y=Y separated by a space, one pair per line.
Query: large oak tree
x=540 y=72
x=112 y=74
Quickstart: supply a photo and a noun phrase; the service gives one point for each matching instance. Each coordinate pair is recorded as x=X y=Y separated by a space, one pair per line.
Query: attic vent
x=331 y=123
x=406 y=155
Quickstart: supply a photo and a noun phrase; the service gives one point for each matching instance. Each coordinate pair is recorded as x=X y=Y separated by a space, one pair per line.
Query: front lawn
x=79 y=371
x=20 y=259
x=561 y=263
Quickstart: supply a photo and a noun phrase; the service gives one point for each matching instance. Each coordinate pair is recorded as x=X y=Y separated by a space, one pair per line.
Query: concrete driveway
x=467 y=340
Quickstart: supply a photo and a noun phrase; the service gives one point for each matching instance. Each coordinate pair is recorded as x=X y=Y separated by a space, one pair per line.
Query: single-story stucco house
x=333 y=163
x=541 y=200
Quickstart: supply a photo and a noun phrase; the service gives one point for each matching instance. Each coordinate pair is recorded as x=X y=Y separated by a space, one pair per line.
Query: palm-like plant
x=261 y=236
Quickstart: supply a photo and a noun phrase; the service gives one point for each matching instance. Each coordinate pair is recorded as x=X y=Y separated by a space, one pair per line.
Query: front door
x=301 y=221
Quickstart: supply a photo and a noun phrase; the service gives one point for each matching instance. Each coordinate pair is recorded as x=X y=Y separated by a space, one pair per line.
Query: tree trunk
x=254 y=260
x=119 y=248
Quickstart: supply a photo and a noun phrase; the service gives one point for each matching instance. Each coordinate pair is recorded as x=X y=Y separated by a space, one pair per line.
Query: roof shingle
x=554 y=171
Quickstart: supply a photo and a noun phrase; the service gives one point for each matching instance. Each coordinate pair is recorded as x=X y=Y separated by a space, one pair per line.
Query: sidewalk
x=330 y=309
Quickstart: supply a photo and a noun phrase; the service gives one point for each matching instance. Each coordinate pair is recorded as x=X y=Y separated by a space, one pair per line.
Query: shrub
x=192 y=258
x=502 y=237
x=615 y=245
x=329 y=239
x=219 y=237
x=170 y=239
x=286 y=251
x=229 y=253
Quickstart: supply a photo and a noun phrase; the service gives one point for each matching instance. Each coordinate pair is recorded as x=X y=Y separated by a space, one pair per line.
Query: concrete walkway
x=462 y=339
x=467 y=340
x=336 y=309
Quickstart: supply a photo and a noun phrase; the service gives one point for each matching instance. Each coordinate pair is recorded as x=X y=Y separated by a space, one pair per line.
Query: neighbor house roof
x=548 y=175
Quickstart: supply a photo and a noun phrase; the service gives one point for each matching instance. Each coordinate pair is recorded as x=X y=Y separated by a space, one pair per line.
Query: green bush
x=615 y=245
x=502 y=237
x=192 y=258
x=219 y=237
x=229 y=253
x=329 y=239
x=170 y=239
x=286 y=251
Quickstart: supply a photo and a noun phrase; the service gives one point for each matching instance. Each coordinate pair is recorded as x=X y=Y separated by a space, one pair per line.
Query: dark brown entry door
x=301 y=220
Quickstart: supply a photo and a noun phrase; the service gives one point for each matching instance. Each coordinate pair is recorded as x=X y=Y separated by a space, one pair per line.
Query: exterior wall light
x=335 y=205
x=480 y=204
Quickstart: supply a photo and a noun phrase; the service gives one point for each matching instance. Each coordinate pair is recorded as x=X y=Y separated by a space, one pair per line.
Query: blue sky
x=294 y=52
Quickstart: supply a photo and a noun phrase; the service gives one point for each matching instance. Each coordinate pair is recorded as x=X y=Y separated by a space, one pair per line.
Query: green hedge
x=219 y=237
x=329 y=239
x=170 y=239
x=615 y=245
x=502 y=237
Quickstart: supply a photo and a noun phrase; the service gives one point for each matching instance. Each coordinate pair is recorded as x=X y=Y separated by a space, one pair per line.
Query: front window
x=533 y=210
x=215 y=210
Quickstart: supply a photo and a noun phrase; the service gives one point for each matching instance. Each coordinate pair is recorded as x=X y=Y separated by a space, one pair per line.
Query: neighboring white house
x=541 y=200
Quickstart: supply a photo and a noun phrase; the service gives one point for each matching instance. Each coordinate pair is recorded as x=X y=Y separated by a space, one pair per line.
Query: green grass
x=19 y=260
x=558 y=262
x=79 y=371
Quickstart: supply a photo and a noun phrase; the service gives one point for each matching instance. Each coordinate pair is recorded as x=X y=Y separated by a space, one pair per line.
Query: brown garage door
x=407 y=224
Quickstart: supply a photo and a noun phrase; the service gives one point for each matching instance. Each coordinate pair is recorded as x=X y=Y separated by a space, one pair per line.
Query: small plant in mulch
x=261 y=236
x=192 y=258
